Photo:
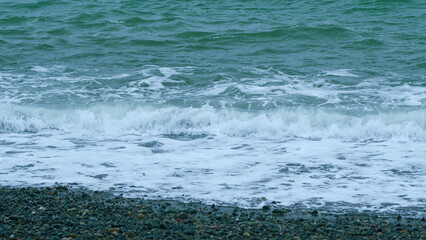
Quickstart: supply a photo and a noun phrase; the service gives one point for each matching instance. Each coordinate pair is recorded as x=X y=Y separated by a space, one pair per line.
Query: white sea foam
x=303 y=155
x=40 y=69
x=340 y=73
x=266 y=88
x=274 y=86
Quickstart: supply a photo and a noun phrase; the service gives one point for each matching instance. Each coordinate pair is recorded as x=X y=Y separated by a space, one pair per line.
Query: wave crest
x=278 y=123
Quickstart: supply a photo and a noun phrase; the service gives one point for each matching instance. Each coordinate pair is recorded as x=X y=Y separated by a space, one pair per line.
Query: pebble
x=113 y=229
x=99 y=235
x=280 y=211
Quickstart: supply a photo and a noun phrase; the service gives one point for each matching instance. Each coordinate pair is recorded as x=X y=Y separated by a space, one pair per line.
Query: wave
x=128 y=118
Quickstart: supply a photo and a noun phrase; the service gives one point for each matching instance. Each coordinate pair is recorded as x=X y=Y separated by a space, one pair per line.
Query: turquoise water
x=382 y=42
x=287 y=100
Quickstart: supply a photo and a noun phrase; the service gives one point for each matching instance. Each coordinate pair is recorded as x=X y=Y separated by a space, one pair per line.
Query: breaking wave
x=119 y=119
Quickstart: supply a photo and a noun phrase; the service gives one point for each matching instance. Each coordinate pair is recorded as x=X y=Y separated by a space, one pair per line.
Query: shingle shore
x=62 y=213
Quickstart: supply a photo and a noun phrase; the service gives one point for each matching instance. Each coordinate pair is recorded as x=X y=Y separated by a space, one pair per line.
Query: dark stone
x=14 y=217
x=266 y=208
x=56 y=225
x=183 y=216
x=189 y=232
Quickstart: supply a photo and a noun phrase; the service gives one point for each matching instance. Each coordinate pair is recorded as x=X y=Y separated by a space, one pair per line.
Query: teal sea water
x=300 y=102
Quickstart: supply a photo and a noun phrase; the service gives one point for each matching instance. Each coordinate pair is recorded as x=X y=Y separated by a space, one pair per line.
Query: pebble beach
x=65 y=214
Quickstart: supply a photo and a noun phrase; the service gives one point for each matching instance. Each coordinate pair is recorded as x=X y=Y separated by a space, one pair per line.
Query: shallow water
x=310 y=103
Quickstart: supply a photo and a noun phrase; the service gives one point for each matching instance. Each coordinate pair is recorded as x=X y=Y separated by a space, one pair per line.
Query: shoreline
x=62 y=213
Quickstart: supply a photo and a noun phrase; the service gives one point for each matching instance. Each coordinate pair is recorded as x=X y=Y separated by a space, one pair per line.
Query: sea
x=244 y=103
